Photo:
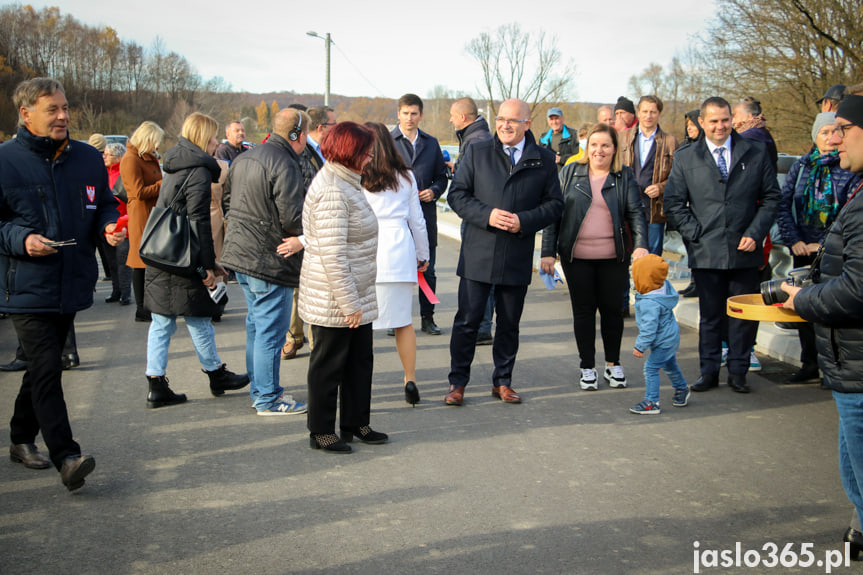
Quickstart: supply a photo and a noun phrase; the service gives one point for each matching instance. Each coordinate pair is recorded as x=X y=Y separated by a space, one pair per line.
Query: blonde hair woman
x=142 y=178
x=190 y=171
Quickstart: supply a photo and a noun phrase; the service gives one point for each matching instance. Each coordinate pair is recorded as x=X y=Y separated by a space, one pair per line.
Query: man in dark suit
x=421 y=152
x=722 y=197
x=505 y=189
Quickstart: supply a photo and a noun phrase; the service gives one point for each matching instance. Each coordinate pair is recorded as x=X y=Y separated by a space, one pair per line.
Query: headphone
x=294 y=134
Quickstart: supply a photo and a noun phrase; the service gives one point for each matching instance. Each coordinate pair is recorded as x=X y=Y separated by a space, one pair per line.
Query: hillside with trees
x=783 y=52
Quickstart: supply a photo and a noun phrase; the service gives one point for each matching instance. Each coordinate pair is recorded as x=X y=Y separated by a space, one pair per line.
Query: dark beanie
x=625 y=104
x=851 y=108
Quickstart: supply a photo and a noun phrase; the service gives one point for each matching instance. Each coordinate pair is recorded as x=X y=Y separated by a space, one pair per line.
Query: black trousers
x=472 y=298
x=340 y=365
x=805 y=330
x=70 y=346
x=426 y=307
x=138 y=288
x=714 y=288
x=40 y=405
x=596 y=285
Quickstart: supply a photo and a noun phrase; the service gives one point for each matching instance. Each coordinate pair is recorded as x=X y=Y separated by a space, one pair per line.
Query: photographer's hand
x=792 y=292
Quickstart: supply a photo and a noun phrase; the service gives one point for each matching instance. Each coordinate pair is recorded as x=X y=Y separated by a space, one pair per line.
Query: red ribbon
x=426 y=289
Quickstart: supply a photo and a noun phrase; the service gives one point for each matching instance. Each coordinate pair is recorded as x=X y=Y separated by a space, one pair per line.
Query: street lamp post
x=327 y=41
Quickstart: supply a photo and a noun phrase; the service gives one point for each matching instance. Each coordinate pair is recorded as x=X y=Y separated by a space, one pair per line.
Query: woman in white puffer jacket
x=337 y=291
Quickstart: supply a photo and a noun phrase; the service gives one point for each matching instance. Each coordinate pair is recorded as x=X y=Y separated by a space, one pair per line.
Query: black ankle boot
x=222 y=380
x=330 y=443
x=855 y=540
x=160 y=394
x=365 y=434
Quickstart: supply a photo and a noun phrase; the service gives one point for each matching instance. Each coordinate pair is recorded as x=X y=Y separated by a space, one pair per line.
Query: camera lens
x=771 y=292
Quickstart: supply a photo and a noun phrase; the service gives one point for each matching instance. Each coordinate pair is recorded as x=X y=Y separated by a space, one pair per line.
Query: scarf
x=758 y=121
x=819 y=202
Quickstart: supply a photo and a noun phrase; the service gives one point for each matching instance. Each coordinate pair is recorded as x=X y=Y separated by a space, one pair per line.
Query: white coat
x=402 y=237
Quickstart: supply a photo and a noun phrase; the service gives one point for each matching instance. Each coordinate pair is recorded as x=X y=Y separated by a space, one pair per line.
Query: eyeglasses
x=329 y=124
x=841 y=129
x=508 y=121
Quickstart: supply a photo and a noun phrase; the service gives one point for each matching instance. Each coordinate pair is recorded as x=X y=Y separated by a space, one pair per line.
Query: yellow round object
x=751 y=306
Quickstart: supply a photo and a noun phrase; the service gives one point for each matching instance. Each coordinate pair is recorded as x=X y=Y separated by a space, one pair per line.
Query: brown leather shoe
x=290 y=349
x=455 y=395
x=505 y=394
x=75 y=469
x=27 y=454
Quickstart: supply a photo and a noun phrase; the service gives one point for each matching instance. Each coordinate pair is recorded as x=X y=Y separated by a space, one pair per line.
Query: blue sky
x=386 y=48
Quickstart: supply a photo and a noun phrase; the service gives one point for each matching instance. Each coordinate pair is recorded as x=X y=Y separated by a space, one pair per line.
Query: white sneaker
x=754 y=364
x=614 y=376
x=588 y=379
x=724 y=358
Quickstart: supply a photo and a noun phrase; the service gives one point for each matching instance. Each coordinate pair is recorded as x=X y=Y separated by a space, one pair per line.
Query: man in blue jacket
x=422 y=153
x=505 y=189
x=722 y=197
x=54 y=201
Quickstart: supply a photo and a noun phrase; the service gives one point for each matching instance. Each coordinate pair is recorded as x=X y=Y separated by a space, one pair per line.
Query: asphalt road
x=567 y=482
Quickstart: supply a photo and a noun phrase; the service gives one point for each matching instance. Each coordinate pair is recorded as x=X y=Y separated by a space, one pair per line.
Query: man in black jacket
x=470 y=127
x=834 y=304
x=55 y=201
x=506 y=190
x=263 y=204
x=560 y=138
x=422 y=153
x=722 y=197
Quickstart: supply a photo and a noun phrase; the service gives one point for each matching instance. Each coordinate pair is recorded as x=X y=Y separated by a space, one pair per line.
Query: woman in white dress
x=391 y=190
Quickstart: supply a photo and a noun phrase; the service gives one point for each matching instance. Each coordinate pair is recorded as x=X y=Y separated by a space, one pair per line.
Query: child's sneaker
x=681 y=397
x=588 y=379
x=754 y=364
x=614 y=376
x=646 y=407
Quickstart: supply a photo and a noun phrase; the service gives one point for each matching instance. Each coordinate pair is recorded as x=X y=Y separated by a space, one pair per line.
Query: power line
x=358 y=71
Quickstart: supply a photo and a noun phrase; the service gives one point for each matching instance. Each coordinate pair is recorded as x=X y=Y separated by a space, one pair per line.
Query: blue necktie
x=511 y=152
x=720 y=161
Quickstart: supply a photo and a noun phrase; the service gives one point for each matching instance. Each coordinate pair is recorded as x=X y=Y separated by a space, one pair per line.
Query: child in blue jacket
x=657 y=331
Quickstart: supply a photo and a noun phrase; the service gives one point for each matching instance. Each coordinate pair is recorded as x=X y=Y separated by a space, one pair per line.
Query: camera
x=771 y=291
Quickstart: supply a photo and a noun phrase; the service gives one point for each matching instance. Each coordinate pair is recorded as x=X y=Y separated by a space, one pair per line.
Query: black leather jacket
x=621 y=194
x=263 y=203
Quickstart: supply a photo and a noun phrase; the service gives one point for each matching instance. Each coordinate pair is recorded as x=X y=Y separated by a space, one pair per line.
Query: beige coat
x=341 y=231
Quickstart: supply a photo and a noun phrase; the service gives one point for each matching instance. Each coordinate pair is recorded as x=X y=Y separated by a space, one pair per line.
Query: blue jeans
x=267 y=322
x=664 y=358
x=159 y=338
x=850 y=408
x=655 y=238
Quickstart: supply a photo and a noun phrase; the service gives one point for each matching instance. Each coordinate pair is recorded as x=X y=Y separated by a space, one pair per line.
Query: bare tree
x=519 y=64
x=785 y=53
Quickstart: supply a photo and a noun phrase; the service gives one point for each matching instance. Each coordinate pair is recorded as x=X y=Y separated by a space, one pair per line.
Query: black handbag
x=170 y=242
x=119 y=191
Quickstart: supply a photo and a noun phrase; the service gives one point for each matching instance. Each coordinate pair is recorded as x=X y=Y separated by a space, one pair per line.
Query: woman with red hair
x=337 y=291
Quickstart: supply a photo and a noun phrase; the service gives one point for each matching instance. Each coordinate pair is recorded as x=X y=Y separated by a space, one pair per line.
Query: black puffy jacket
x=835 y=303
x=621 y=194
x=166 y=293
x=62 y=194
x=263 y=203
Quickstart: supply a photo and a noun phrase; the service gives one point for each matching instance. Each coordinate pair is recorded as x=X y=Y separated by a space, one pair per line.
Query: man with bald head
x=469 y=126
x=263 y=203
x=505 y=190
x=605 y=115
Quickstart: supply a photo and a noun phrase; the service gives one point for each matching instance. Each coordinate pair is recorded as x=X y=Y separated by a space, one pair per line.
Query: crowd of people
x=328 y=227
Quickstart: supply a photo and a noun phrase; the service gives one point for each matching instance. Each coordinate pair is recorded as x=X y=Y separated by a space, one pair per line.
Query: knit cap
x=649 y=273
x=625 y=104
x=821 y=120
